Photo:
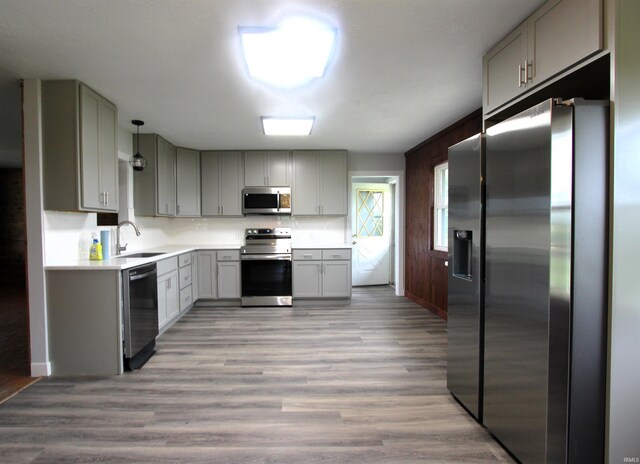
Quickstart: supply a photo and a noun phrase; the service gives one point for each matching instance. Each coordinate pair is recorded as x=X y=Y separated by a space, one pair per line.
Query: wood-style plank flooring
x=363 y=383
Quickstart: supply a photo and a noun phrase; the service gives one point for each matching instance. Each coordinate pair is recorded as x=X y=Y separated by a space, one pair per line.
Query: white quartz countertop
x=118 y=263
x=320 y=246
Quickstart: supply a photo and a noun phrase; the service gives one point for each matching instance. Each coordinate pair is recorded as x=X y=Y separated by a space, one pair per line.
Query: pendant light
x=137 y=161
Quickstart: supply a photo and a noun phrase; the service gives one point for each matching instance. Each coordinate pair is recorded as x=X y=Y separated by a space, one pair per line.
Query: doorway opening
x=14 y=330
x=375 y=212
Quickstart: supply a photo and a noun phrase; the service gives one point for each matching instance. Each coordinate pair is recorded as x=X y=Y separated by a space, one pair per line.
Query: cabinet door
x=307 y=279
x=334 y=183
x=562 y=33
x=108 y=155
x=207 y=279
x=278 y=169
x=229 y=279
x=162 y=300
x=187 y=182
x=92 y=196
x=210 y=181
x=504 y=73
x=231 y=183
x=166 y=178
x=306 y=173
x=336 y=279
x=254 y=169
x=173 y=295
x=194 y=276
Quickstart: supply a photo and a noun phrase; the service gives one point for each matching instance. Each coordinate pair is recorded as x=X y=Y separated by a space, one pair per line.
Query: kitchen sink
x=141 y=255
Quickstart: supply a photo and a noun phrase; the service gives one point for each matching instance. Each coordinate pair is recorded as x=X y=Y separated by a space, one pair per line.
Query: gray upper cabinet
x=319 y=183
x=559 y=35
x=154 y=189
x=80 y=161
x=267 y=168
x=504 y=69
x=187 y=182
x=222 y=182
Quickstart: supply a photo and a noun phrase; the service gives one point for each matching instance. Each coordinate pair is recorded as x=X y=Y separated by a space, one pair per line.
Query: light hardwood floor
x=363 y=383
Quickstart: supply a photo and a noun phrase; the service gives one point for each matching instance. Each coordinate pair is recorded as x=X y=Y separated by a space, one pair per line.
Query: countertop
x=118 y=263
x=123 y=262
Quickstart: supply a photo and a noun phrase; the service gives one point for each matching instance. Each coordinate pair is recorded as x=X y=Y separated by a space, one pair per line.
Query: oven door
x=266 y=280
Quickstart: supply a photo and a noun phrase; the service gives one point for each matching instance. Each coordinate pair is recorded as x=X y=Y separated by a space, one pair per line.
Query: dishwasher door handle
x=142 y=276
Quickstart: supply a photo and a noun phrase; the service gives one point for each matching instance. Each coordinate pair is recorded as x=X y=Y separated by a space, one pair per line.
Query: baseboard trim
x=40 y=369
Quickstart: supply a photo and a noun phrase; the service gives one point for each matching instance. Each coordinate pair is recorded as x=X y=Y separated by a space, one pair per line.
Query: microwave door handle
x=278 y=200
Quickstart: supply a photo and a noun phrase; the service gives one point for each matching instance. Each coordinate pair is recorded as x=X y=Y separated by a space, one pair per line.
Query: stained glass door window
x=369 y=211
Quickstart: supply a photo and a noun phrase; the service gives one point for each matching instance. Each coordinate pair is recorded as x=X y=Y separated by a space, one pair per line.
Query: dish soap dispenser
x=95 y=251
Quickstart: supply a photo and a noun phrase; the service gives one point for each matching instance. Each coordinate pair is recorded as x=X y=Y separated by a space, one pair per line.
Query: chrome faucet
x=121 y=248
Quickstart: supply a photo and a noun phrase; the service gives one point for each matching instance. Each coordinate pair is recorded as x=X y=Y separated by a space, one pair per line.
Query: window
x=441 y=206
x=370 y=211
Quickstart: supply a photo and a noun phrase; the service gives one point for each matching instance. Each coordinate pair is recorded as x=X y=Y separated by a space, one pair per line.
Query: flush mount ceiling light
x=137 y=161
x=290 y=55
x=287 y=126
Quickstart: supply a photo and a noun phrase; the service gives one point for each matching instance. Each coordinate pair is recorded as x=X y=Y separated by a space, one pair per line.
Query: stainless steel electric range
x=265 y=262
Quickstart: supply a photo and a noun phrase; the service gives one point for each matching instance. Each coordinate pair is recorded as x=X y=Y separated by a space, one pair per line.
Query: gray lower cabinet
x=80 y=160
x=222 y=179
x=154 y=189
x=267 y=168
x=557 y=36
x=168 y=292
x=207 y=274
x=322 y=273
x=218 y=274
x=319 y=183
x=228 y=274
x=84 y=319
x=194 y=276
x=185 y=281
x=187 y=182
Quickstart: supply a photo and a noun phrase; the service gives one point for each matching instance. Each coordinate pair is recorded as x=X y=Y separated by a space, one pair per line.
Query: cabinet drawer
x=167 y=265
x=185 y=276
x=184 y=259
x=344 y=253
x=185 y=298
x=228 y=255
x=307 y=254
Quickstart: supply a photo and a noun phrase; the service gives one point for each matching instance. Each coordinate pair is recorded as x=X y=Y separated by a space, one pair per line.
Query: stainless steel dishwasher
x=140 y=297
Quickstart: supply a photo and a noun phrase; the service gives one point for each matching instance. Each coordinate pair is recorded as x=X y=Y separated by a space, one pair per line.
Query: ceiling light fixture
x=290 y=55
x=137 y=161
x=287 y=126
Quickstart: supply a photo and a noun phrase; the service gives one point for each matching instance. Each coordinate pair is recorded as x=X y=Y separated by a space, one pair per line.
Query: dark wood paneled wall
x=13 y=230
x=425 y=270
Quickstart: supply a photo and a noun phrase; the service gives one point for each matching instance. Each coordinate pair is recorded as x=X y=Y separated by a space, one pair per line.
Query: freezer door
x=464 y=308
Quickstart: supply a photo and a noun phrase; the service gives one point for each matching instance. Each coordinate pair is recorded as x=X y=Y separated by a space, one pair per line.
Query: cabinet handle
x=222 y=210
x=168 y=285
x=520 y=71
x=528 y=77
x=307 y=256
x=177 y=209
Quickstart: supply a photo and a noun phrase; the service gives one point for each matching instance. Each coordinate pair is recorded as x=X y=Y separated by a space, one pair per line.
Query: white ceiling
x=404 y=69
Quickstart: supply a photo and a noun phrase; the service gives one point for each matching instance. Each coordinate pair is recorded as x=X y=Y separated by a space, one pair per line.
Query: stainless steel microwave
x=266 y=200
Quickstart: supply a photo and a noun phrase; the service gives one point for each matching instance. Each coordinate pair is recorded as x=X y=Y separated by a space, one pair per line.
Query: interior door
x=371 y=230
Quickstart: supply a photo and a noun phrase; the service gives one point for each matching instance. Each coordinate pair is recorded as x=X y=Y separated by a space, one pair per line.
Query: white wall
x=375 y=162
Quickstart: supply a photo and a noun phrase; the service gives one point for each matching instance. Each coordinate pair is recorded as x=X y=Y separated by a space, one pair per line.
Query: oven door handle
x=278 y=257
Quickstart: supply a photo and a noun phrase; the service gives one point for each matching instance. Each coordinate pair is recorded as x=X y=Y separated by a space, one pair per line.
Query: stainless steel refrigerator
x=465 y=311
x=543 y=335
